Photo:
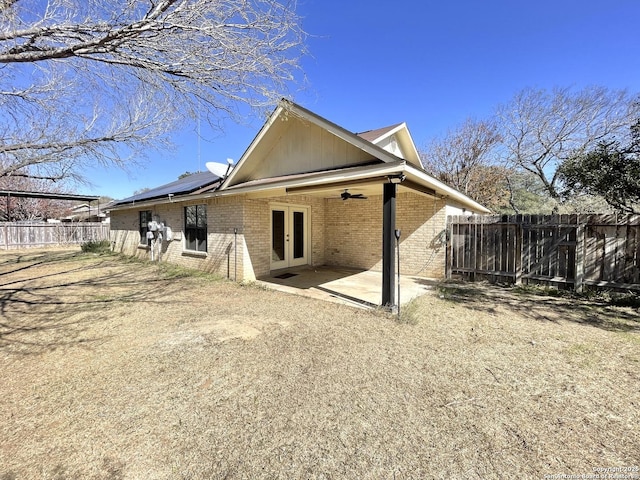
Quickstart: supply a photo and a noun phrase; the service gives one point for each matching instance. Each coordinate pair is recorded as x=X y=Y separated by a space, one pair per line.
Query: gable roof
x=293 y=121
x=189 y=184
x=297 y=151
x=373 y=135
x=397 y=140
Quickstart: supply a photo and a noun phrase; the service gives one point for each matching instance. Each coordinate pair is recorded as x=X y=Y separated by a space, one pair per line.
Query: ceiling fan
x=357 y=196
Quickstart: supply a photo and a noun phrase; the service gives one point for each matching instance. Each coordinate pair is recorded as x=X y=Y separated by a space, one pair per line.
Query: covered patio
x=360 y=288
x=354 y=218
x=308 y=193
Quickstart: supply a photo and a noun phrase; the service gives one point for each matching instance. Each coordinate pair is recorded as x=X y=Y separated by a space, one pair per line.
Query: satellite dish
x=219 y=169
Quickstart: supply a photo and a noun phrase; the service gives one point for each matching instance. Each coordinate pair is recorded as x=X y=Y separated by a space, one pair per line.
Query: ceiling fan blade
x=346 y=195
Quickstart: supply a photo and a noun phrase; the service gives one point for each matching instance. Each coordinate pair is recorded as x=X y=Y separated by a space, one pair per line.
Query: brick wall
x=258 y=238
x=422 y=243
x=125 y=236
x=223 y=247
x=257 y=216
x=245 y=256
x=342 y=234
x=354 y=234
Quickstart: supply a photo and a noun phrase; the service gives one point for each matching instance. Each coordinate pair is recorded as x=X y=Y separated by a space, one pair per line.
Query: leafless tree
x=104 y=81
x=540 y=129
x=465 y=158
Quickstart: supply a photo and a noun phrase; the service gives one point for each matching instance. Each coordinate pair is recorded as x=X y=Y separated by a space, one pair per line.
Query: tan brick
x=342 y=234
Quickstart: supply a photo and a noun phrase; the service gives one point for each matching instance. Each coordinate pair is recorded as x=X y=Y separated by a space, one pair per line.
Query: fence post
x=578 y=284
x=518 y=253
x=448 y=248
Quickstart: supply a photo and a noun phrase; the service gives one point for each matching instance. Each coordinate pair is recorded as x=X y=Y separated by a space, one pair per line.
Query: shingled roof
x=371 y=135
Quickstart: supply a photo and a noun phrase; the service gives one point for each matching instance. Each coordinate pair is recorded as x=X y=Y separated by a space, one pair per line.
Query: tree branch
x=81 y=78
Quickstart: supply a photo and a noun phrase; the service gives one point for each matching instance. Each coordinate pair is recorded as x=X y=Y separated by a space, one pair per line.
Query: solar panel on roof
x=184 y=185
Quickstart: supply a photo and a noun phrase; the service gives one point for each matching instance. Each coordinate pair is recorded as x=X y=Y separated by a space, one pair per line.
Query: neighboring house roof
x=299 y=152
x=84 y=207
x=87 y=212
x=189 y=184
x=50 y=196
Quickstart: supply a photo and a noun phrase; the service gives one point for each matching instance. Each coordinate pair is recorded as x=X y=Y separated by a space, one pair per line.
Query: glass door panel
x=298 y=235
x=278 y=244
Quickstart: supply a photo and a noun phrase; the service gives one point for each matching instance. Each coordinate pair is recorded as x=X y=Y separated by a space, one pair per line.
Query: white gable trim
x=256 y=140
x=407 y=143
x=289 y=108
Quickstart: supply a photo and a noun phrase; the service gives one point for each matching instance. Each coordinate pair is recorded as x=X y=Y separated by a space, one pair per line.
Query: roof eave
x=346 y=135
x=320 y=180
x=408 y=143
x=444 y=190
x=147 y=202
x=355 y=174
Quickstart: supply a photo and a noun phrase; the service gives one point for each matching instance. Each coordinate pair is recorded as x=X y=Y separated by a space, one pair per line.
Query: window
x=145 y=218
x=195 y=228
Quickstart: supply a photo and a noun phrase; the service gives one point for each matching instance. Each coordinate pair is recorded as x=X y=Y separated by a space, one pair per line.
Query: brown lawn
x=118 y=369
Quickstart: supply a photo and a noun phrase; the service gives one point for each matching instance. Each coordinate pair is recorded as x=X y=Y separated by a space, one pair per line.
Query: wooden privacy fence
x=25 y=235
x=567 y=251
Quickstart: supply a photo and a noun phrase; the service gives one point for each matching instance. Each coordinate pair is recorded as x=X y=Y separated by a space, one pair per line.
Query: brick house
x=305 y=192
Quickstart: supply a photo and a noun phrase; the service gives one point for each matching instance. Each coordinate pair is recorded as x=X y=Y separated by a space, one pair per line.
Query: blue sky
x=430 y=64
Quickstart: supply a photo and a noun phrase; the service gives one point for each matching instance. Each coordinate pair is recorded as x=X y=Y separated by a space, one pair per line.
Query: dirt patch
x=116 y=369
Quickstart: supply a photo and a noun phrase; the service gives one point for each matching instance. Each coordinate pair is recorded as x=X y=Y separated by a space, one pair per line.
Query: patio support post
x=388 y=244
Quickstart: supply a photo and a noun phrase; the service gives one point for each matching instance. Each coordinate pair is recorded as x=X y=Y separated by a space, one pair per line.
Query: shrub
x=96 y=246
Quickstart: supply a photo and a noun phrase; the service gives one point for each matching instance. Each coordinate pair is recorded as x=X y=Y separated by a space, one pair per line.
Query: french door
x=289 y=236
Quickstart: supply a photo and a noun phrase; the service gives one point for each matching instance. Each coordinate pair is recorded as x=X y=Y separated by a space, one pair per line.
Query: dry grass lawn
x=118 y=369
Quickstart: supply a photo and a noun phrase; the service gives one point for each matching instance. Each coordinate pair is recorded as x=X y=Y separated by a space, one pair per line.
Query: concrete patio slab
x=362 y=288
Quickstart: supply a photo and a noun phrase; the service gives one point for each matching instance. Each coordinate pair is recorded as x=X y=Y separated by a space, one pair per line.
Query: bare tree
x=103 y=81
x=540 y=129
x=465 y=158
